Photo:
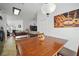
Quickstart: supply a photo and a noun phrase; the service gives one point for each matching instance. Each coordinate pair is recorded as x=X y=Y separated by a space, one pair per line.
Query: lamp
x=16 y=11
x=48 y=8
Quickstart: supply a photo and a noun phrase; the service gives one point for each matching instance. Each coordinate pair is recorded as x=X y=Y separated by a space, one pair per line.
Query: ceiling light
x=48 y=8
x=16 y=11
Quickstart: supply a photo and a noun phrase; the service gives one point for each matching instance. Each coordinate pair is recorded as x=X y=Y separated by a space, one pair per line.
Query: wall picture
x=19 y=26
x=69 y=19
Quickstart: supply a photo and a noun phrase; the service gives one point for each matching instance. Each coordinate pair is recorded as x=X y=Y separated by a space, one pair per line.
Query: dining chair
x=67 y=52
x=78 y=51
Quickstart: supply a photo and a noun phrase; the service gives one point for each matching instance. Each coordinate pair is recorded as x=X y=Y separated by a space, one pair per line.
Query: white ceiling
x=28 y=10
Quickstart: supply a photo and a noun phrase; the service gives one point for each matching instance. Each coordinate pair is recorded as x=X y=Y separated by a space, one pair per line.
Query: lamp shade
x=48 y=8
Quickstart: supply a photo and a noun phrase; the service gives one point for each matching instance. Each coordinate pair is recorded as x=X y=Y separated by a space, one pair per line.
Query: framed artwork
x=19 y=26
x=68 y=19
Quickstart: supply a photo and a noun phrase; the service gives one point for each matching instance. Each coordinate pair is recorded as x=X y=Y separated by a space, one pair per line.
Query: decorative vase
x=41 y=36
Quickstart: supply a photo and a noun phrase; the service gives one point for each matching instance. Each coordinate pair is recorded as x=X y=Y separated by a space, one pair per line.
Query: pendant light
x=48 y=8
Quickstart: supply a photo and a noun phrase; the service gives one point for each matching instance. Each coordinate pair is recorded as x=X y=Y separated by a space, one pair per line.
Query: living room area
x=39 y=29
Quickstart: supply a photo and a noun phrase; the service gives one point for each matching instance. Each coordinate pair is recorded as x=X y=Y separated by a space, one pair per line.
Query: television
x=33 y=28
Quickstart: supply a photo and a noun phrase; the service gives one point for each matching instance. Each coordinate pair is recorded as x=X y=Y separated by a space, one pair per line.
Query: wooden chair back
x=78 y=51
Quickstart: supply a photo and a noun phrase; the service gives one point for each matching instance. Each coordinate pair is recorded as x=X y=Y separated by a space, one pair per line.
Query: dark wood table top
x=34 y=47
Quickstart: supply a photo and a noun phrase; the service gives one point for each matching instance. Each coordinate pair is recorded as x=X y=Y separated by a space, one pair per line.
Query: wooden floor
x=1 y=47
x=9 y=47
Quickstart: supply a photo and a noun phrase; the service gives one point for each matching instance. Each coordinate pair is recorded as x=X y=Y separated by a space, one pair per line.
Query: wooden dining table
x=50 y=46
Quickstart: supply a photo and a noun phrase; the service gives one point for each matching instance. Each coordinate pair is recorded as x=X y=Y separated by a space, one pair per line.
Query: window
x=16 y=11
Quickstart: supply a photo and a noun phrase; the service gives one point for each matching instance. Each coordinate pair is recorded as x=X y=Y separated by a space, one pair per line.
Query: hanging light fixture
x=48 y=8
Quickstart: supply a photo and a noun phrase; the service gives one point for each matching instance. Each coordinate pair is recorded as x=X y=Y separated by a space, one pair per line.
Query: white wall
x=28 y=22
x=27 y=14
x=46 y=25
x=15 y=21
